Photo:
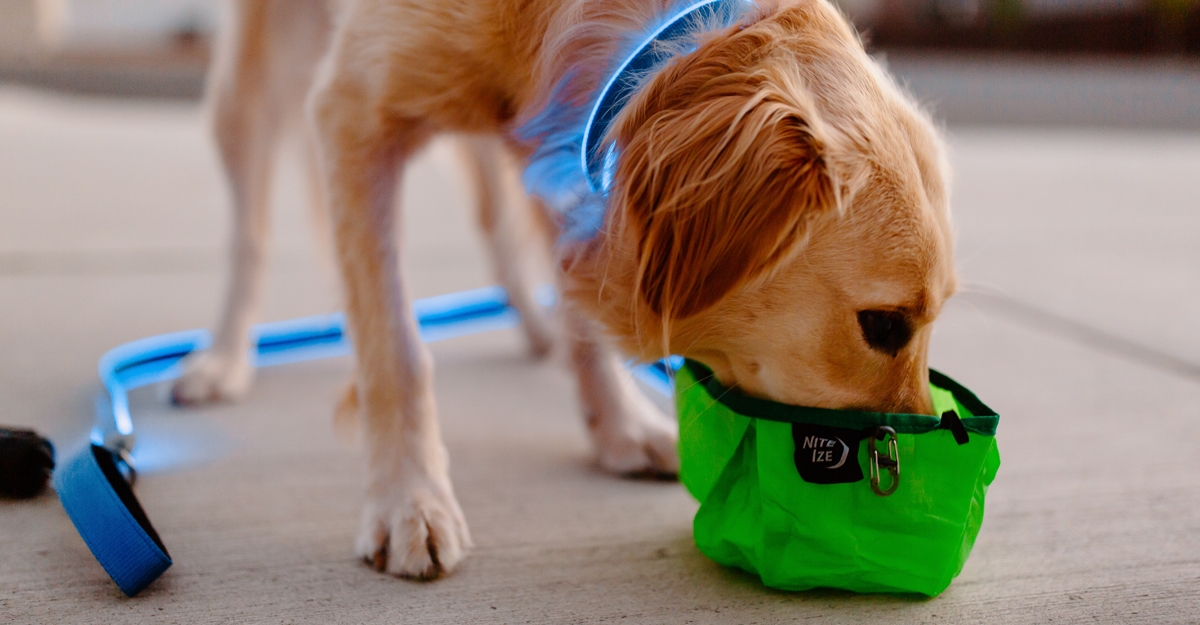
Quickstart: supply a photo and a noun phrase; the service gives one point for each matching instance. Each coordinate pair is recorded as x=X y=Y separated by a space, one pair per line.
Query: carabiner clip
x=125 y=458
x=889 y=461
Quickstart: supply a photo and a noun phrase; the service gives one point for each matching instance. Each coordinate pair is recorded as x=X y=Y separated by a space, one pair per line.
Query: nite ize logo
x=827 y=455
x=827 y=450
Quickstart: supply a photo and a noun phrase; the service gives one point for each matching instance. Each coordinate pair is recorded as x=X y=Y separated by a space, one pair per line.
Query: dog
x=769 y=203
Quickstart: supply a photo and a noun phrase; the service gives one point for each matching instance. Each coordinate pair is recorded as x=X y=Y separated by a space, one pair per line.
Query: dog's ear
x=718 y=179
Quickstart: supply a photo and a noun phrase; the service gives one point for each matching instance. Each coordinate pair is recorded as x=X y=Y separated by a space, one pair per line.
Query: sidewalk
x=112 y=222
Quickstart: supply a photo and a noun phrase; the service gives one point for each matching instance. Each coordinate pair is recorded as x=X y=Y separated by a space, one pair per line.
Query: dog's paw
x=636 y=438
x=211 y=377
x=414 y=530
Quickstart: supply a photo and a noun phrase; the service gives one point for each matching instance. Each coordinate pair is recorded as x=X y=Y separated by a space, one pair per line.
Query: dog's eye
x=885 y=330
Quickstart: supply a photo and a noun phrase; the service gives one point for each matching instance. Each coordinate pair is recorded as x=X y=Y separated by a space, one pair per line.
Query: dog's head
x=779 y=213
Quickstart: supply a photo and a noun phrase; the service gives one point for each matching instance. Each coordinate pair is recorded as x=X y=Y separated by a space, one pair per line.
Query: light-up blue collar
x=703 y=15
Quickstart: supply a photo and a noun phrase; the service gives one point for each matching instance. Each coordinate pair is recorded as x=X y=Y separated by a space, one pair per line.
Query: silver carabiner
x=126 y=458
x=889 y=461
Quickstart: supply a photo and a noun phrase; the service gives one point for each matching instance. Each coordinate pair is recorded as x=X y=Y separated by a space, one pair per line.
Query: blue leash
x=95 y=484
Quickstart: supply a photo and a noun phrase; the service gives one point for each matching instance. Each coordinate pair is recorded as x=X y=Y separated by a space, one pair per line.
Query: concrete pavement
x=112 y=218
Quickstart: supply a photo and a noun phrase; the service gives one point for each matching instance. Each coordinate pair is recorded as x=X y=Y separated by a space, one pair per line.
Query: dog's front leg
x=247 y=110
x=630 y=434
x=411 y=524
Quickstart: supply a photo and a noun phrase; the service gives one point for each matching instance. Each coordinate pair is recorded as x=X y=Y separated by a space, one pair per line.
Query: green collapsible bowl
x=809 y=497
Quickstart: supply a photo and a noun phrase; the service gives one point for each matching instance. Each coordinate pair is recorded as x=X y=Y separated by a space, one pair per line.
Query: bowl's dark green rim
x=983 y=420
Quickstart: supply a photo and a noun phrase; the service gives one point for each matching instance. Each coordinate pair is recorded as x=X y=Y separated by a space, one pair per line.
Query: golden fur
x=772 y=184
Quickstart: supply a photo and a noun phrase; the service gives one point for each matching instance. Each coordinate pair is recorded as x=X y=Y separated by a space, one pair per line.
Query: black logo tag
x=827 y=455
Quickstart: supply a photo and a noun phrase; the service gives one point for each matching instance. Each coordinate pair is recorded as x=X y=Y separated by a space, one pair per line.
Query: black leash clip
x=889 y=461
x=26 y=462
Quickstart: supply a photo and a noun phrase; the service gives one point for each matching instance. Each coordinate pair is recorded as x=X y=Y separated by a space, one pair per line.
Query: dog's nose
x=923 y=403
x=910 y=394
x=914 y=396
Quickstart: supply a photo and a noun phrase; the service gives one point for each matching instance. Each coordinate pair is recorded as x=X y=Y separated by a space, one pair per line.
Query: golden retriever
x=772 y=206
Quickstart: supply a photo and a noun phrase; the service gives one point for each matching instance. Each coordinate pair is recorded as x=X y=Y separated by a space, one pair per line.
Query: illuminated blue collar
x=703 y=15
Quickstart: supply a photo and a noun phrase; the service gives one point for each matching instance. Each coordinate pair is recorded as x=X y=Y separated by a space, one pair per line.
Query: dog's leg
x=247 y=125
x=261 y=72
x=505 y=215
x=411 y=524
x=630 y=434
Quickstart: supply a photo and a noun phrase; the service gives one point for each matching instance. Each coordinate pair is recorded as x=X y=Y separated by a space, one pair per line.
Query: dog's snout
x=912 y=395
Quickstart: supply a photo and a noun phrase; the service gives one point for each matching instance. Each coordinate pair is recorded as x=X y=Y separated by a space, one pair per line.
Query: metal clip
x=126 y=458
x=889 y=461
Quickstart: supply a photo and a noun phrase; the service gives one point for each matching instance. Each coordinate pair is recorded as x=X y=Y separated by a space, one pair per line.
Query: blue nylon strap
x=126 y=549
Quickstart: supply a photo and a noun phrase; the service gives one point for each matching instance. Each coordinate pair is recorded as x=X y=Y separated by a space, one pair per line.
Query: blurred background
x=1074 y=136
x=1073 y=62
x=123 y=47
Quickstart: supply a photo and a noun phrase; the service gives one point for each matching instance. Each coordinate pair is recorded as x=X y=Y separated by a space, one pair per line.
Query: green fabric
x=757 y=514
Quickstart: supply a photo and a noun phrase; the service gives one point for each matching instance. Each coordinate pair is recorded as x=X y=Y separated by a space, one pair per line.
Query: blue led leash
x=94 y=485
